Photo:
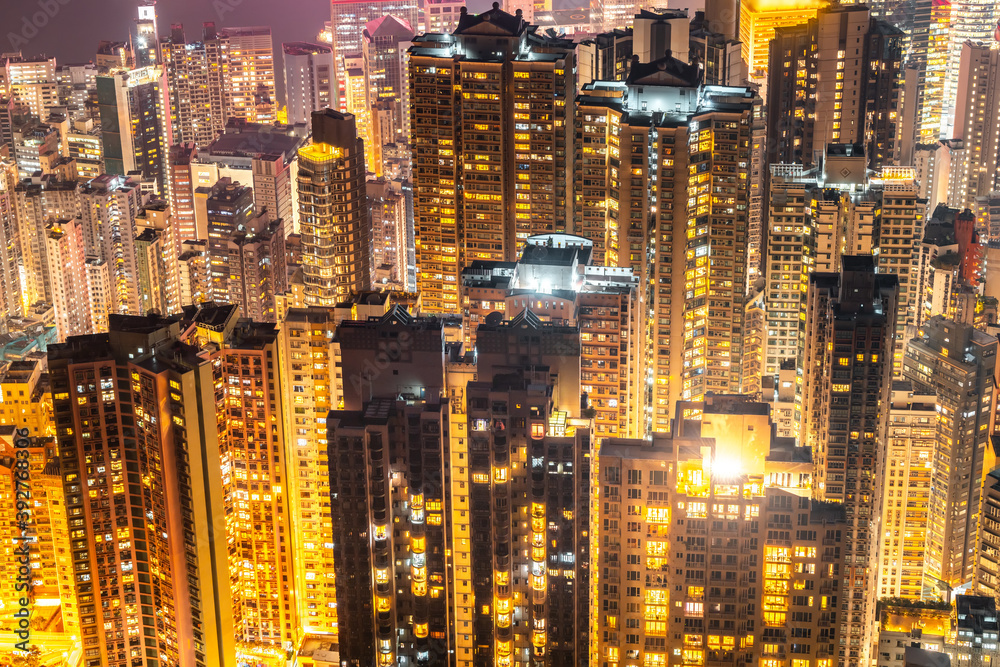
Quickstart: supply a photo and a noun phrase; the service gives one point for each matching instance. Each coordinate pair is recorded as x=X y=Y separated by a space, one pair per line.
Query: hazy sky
x=71 y=29
x=76 y=26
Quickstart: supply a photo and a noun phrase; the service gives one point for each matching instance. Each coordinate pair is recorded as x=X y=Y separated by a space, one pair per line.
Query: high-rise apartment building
x=847 y=380
x=927 y=67
x=834 y=80
x=229 y=209
x=168 y=437
x=137 y=123
x=12 y=292
x=313 y=382
x=955 y=362
x=791 y=250
x=713 y=41
x=700 y=145
x=309 y=79
x=258 y=268
x=758 y=21
x=66 y=256
x=83 y=143
x=27 y=399
x=972 y=21
x=145 y=40
x=392 y=235
x=441 y=15
x=251 y=74
x=32 y=82
x=37 y=202
x=707 y=548
x=333 y=211
x=384 y=44
x=604 y=57
x=347 y=20
x=555 y=280
x=49 y=580
x=507 y=475
x=896 y=244
x=183 y=223
x=987 y=577
x=199 y=82
x=977 y=114
x=257 y=154
x=492 y=165
x=109 y=206
x=906 y=491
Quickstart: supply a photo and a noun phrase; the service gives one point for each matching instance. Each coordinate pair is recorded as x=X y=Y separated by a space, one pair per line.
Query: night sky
x=76 y=26
x=72 y=34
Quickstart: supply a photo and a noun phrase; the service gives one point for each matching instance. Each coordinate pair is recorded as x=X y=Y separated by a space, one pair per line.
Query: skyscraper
x=145 y=40
x=977 y=114
x=700 y=144
x=927 y=57
x=758 y=21
x=347 y=21
x=333 y=211
x=973 y=21
x=173 y=486
x=956 y=363
x=39 y=201
x=136 y=124
x=791 y=244
x=509 y=576
x=251 y=74
x=313 y=382
x=987 y=578
x=684 y=571
x=199 y=83
x=108 y=208
x=834 y=80
x=384 y=44
x=309 y=79
x=555 y=279
x=12 y=292
x=65 y=252
x=229 y=208
x=483 y=184
x=906 y=492
x=847 y=381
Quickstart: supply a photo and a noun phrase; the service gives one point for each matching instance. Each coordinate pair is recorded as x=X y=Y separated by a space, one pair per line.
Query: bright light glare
x=726 y=468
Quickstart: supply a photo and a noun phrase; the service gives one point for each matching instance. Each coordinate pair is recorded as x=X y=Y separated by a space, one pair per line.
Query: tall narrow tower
x=333 y=211
x=491 y=116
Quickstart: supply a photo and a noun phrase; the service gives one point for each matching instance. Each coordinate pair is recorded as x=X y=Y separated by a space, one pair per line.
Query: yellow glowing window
x=841 y=388
x=657 y=515
x=656 y=596
x=844 y=361
x=693 y=657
